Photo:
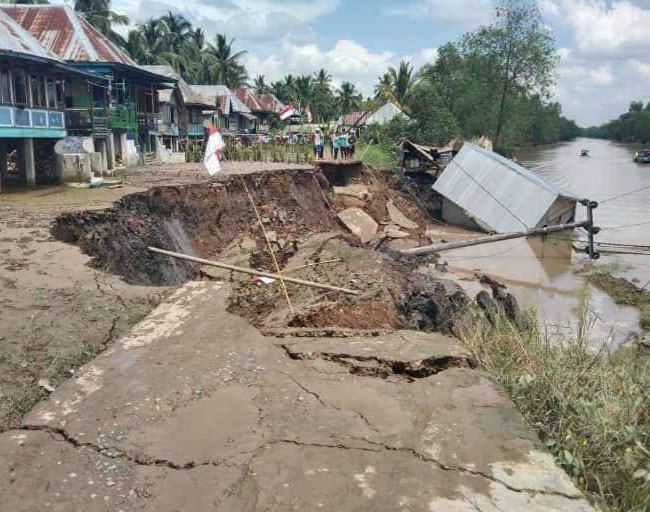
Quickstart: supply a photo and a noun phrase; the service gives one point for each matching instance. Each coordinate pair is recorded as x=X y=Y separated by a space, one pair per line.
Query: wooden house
x=120 y=115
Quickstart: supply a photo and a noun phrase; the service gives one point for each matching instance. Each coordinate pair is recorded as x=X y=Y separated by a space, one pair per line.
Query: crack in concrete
x=382 y=368
x=329 y=405
x=464 y=470
x=62 y=435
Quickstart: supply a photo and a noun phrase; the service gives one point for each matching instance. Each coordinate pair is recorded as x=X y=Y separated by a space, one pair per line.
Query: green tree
x=515 y=54
x=224 y=63
x=636 y=106
x=99 y=13
x=402 y=81
x=260 y=86
x=348 y=98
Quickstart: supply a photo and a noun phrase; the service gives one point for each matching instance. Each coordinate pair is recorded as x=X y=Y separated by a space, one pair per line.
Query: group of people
x=340 y=142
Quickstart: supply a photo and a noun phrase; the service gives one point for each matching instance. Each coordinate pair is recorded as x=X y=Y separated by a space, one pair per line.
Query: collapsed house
x=483 y=190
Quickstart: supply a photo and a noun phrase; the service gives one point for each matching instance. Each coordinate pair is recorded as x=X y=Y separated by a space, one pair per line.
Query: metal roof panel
x=499 y=193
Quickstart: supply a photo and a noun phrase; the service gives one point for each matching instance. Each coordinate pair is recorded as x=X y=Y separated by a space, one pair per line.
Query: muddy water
x=544 y=274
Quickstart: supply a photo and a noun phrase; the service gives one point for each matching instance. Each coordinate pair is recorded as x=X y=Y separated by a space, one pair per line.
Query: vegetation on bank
x=622 y=291
x=591 y=409
x=632 y=126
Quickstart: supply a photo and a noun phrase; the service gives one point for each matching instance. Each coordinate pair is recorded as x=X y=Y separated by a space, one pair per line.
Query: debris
x=263 y=280
x=359 y=223
x=398 y=217
x=272 y=236
x=393 y=231
x=354 y=190
x=251 y=271
x=45 y=384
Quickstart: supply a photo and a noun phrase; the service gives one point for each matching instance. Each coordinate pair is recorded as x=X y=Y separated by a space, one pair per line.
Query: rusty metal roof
x=66 y=33
x=246 y=96
x=190 y=97
x=13 y=38
x=270 y=103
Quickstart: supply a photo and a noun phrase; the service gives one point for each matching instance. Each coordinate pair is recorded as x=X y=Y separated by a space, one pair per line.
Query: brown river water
x=544 y=274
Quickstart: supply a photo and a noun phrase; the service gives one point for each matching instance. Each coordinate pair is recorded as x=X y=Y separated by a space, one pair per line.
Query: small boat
x=584 y=152
x=642 y=157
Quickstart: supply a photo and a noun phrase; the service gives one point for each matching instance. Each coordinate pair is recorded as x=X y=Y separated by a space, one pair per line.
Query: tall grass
x=591 y=409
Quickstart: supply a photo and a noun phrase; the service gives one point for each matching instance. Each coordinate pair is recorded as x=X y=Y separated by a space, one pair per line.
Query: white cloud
x=459 y=13
x=615 y=29
x=250 y=20
x=347 y=60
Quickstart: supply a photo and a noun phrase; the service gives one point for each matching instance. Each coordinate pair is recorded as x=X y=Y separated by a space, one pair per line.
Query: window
x=5 y=87
x=51 y=93
x=58 y=85
x=20 y=87
x=38 y=91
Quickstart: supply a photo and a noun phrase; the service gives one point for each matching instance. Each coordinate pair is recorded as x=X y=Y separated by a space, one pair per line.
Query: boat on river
x=642 y=157
x=584 y=152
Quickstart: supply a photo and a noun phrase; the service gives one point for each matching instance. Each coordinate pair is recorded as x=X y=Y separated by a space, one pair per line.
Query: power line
x=623 y=226
x=625 y=194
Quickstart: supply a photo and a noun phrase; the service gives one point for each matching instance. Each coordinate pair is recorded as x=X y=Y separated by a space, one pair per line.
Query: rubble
x=397 y=217
x=359 y=223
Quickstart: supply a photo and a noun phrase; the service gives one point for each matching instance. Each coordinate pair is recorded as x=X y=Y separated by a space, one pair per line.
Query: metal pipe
x=251 y=271
x=429 y=249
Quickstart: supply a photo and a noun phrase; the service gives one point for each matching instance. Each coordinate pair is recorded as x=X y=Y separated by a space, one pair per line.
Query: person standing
x=335 y=145
x=352 y=144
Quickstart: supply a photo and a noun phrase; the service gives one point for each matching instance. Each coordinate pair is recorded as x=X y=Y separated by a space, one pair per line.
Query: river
x=546 y=274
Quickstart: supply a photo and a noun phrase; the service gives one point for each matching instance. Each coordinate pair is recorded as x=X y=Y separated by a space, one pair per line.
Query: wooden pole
x=268 y=244
x=429 y=249
x=251 y=271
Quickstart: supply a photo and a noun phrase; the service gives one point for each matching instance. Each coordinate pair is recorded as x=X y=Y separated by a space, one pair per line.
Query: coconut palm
x=384 y=88
x=322 y=78
x=303 y=90
x=178 y=29
x=260 y=86
x=223 y=62
x=98 y=12
x=403 y=81
x=348 y=97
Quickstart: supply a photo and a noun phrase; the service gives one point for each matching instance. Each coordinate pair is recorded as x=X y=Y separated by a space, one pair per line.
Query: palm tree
x=348 y=97
x=402 y=83
x=224 y=64
x=98 y=12
x=197 y=37
x=304 y=90
x=178 y=29
x=322 y=78
x=384 y=88
x=260 y=86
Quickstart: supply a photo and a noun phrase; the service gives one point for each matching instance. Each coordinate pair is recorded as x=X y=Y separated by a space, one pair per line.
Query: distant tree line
x=632 y=126
x=494 y=81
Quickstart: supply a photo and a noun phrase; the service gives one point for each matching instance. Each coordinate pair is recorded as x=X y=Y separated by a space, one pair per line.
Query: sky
x=604 y=45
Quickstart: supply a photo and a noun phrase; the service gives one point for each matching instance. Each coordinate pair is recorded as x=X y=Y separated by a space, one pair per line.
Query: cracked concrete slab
x=196 y=410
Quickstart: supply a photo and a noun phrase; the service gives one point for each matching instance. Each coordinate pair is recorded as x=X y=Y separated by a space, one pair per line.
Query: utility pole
x=590 y=228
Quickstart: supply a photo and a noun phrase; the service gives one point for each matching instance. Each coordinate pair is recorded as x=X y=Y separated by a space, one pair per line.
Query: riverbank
x=128 y=429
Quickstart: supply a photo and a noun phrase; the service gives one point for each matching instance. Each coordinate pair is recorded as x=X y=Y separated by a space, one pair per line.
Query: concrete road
x=195 y=410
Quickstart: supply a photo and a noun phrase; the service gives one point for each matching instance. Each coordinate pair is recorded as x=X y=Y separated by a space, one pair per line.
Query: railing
x=122 y=117
x=149 y=121
x=12 y=117
x=195 y=129
x=85 y=120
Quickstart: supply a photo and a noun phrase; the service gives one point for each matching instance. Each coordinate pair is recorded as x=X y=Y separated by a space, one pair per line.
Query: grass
x=376 y=156
x=591 y=409
x=621 y=291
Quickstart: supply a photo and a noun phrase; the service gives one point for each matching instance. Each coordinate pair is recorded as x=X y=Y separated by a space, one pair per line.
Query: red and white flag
x=308 y=113
x=213 y=157
x=287 y=112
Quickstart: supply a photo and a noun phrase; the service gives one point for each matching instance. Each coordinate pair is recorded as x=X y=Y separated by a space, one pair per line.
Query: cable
x=625 y=194
x=623 y=226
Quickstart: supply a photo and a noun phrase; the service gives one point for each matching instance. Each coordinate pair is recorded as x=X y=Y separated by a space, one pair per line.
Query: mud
x=200 y=219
